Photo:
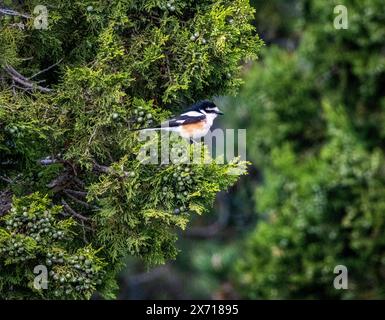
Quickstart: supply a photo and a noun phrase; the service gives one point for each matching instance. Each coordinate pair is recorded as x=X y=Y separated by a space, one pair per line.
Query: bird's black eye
x=210 y=109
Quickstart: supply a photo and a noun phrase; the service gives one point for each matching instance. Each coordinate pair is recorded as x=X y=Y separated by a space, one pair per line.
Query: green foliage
x=315 y=127
x=210 y=263
x=321 y=212
x=269 y=22
x=33 y=234
x=134 y=219
x=113 y=66
x=290 y=105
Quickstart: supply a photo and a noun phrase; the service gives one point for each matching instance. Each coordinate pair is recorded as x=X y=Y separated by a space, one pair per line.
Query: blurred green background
x=314 y=110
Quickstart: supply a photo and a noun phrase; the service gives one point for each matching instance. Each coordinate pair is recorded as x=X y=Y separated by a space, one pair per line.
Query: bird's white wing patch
x=192 y=114
x=180 y=121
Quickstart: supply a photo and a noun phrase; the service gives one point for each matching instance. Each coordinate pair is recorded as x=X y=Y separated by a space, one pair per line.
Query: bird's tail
x=147 y=129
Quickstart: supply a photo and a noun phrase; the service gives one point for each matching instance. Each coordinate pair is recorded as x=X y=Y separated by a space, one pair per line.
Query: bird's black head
x=208 y=107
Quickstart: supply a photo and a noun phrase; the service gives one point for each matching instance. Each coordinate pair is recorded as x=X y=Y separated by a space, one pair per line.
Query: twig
x=30 y=85
x=13 y=88
x=96 y=167
x=78 y=193
x=59 y=181
x=46 y=69
x=19 y=25
x=104 y=169
x=73 y=212
x=92 y=136
x=5 y=202
x=101 y=168
x=40 y=81
x=168 y=67
x=14 y=13
x=65 y=213
x=79 y=182
x=84 y=232
x=47 y=162
x=85 y=204
x=20 y=79
x=13 y=71
x=6 y=179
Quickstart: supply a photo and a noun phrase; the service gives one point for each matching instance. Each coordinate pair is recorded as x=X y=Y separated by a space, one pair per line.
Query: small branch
x=14 y=13
x=96 y=167
x=92 y=136
x=75 y=192
x=100 y=168
x=19 y=25
x=168 y=67
x=5 y=202
x=13 y=88
x=84 y=232
x=20 y=79
x=73 y=212
x=12 y=71
x=40 y=81
x=59 y=182
x=79 y=182
x=104 y=169
x=30 y=85
x=47 y=162
x=6 y=179
x=46 y=69
x=84 y=204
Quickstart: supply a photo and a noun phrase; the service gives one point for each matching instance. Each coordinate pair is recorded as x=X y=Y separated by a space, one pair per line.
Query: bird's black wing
x=188 y=117
x=185 y=118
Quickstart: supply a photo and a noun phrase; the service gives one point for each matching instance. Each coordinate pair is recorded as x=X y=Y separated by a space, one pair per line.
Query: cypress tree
x=74 y=197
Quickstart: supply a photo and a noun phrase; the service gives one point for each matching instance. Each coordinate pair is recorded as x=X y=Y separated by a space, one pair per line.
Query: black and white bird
x=194 y=123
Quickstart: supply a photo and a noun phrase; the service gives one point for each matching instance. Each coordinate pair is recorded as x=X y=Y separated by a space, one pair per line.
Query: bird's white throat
x=210 y=117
